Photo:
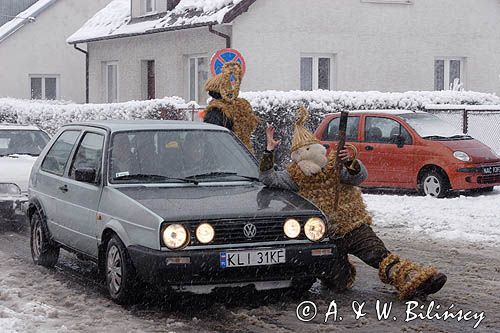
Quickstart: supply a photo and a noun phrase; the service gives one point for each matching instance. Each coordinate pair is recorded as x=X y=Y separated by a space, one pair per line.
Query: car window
x=57 y=157
x=332 y=130
x=30 y=142
x=384 y=130
x=88 y=154
x=178 y=154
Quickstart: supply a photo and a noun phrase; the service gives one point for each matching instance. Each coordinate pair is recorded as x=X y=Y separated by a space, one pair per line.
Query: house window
x=149 y=6
x=44 y=86
x=447 y=71
x=316 y=72
x=111 y=81
x=198 y=75
x=149 y=79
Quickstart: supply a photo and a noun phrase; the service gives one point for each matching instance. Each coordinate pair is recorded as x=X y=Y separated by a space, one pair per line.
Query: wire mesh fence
x=482 y=122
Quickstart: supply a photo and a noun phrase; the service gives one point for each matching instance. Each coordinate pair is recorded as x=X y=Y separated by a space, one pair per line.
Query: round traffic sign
x=223 y=56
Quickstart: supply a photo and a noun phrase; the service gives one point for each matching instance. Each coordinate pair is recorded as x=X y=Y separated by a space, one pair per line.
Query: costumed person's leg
x=342 y=278
x=410 y=279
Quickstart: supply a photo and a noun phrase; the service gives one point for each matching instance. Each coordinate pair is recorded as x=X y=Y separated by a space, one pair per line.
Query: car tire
x=120 y=273
x=43 y=251
x=434 y=183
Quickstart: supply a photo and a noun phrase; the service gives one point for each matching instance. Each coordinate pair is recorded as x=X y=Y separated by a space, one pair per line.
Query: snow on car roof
x=130 y=125
x=384 y=111
x=5 y=126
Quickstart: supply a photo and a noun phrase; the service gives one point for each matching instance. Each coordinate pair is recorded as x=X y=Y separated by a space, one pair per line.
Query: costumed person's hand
x=346 y=155
x=271 y=142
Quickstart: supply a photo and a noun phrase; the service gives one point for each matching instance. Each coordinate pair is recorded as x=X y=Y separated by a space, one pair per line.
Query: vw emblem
x=249 y=230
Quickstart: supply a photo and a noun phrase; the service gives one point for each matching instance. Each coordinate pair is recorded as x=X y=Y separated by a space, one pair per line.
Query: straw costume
x=313 y=175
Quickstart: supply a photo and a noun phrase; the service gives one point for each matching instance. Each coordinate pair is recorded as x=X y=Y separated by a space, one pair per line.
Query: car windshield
x=430 y=127
x=22 y=142
x=178 y=156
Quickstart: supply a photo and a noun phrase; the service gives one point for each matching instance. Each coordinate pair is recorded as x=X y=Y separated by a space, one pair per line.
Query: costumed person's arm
x=353 y=172
x=268 y=174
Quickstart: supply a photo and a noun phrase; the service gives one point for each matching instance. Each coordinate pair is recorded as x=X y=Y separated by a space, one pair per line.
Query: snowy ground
x=459 y=235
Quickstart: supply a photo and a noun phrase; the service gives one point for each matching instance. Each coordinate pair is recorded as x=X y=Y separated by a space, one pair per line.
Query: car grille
x=230 y=231
x=489 y=179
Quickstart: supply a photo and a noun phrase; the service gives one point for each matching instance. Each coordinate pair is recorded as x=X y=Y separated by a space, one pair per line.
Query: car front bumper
x=466 y=177
x=204 y=266
x=13 y=208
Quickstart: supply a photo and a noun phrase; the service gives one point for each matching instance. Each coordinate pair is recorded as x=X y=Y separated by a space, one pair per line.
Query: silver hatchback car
x=174 y=204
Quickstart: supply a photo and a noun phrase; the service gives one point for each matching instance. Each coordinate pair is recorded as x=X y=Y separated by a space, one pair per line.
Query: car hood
x=478 y=151
x=209 y=202
x=16 y=169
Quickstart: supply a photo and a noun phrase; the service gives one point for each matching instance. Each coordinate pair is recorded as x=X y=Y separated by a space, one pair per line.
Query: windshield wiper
x=222 y=174
x=460 y=137
x=154 y=177
x=435 y=137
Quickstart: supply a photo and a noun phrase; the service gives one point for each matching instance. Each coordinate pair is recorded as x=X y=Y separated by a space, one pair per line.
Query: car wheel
x=434 y=184
x=120 y=273
x=43 y=252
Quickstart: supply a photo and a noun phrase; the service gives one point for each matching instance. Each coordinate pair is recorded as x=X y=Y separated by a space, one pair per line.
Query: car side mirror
x=86 y=175
x=399 y=140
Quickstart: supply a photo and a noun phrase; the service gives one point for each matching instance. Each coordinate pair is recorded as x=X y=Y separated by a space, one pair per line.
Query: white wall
x=41 y=48
x=170 y=50
x=386 y=47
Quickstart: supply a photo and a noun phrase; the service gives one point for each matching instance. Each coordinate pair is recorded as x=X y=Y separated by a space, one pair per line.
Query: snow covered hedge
x=50 y=115
x=279 y=108
x=275 y=107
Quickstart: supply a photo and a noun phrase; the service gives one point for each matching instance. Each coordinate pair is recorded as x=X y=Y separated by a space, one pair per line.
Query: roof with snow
x=24 y=17
x=115 y=21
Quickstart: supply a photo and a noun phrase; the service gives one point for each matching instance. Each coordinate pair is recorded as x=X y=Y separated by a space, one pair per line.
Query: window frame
x=106 y=64
x=70 y=156
x=74 y=152
x=357 y=118
x=196 y=77
x=401 y=126
x=446 y=72
x=153 y=7
x=315 y=69
x=43 y=77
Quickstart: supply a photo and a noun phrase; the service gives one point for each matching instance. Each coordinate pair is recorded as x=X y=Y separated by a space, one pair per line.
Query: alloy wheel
x=114 y=269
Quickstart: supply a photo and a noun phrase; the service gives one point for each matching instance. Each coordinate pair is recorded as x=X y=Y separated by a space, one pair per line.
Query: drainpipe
x=86 y=71
x=218 y=33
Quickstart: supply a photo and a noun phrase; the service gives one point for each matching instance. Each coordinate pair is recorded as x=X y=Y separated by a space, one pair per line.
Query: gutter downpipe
x=220 y=34
x=86 y=71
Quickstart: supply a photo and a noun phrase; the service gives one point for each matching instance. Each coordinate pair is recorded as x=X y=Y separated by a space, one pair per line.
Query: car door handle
x=368 y=148
x=63 y=188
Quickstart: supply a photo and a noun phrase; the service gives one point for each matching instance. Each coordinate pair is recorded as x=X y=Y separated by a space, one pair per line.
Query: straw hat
x=302 y=136
x=222 y=83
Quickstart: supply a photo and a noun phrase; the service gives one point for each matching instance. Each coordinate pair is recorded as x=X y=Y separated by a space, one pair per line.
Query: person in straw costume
x=313 y=175
x=226 y=108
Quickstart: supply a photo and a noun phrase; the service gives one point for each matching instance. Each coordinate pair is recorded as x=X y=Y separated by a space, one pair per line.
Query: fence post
x=465 y=125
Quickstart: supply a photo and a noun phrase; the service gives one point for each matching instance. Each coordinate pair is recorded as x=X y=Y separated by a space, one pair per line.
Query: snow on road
x=464 y=218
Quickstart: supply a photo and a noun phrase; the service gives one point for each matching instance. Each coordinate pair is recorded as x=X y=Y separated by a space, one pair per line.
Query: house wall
x=169 y=50
x=41 y=48
x=386 y=47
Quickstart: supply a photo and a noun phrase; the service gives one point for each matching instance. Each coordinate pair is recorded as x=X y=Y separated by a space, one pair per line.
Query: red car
x=415 y=150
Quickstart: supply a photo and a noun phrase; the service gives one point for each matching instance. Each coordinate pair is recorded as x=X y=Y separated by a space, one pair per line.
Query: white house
x=35 y=60
x=153 y=48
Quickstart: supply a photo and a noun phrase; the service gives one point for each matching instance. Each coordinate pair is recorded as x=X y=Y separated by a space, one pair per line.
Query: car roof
x=132 y=125
x=382 y=111
x=7 y=126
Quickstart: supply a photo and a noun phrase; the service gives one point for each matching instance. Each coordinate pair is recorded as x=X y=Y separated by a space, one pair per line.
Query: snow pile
x=115 y=20
x=466 y=218
x=279 y=107
x=51 y=115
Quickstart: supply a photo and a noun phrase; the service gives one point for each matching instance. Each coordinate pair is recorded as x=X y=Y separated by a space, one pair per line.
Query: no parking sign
x=223 y=56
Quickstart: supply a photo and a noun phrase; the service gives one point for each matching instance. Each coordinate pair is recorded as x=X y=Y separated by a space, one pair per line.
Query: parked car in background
x=19 y=148
x=176 y=204
x=415 y=150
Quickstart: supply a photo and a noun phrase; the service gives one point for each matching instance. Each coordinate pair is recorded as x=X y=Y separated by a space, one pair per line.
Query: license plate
x=491 y=169
x=252 y=258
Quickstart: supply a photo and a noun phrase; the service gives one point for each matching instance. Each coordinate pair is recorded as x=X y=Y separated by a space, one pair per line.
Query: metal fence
x=482 y=122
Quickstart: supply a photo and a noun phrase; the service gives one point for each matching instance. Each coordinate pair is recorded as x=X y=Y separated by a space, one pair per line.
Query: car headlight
x=175 y=236
x=461 y=156
x=291 y=228
x=205 y=233
x=315 y=229
x=9 y=189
